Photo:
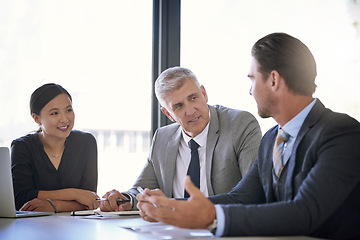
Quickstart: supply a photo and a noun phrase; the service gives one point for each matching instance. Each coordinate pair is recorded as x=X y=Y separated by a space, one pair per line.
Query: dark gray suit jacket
x=231 y=148
x=322 y=189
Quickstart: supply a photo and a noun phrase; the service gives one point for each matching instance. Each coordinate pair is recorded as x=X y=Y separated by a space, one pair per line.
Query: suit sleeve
x=329 y=176
x=246 y=140
x=147 y=177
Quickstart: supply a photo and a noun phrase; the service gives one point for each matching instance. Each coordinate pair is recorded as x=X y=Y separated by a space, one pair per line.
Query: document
x=165 y=231
x=97 y=214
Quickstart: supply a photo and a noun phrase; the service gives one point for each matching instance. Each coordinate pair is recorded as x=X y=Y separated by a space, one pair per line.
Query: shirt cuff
x=220 y=217
x=129 y=196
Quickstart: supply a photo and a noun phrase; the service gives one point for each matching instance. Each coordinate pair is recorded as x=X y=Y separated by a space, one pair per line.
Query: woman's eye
x=54 y=113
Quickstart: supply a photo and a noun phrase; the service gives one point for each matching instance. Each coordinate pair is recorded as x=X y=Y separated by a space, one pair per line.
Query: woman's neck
x=53 y=146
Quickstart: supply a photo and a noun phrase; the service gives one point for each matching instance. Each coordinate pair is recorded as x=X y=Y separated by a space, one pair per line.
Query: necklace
x=47 y=150
x=54 y=155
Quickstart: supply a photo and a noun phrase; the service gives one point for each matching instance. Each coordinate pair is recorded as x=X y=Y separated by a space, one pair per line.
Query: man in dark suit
x=309 y=185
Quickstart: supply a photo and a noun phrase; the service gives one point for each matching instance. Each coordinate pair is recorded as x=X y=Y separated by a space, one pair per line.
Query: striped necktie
x=194 y=166
x=281 y=139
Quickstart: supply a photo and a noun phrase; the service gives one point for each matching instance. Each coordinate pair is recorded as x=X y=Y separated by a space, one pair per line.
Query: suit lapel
x=309 y=122
x=268 y=165
x=213 y=136
x=172 y=150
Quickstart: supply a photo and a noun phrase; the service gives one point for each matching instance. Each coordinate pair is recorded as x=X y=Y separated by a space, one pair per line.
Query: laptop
x=7 y=200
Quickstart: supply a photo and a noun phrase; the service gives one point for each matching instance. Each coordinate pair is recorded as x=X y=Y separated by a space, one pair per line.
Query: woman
x=54 y=169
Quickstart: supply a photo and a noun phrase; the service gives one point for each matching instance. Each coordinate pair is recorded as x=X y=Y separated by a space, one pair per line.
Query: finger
x=125 y=207
x=39 y=207
x=89 y=205
x=142 y=214
x=106 y=195
x=112 y=200
x=93 y=205
x=96 y=204
x=158 y=214
x=149 y=219
x=156 y=192
x=31 y=207
x=105 y=206
x=139 y=206
x=159 y=201
x=146 y=218
x=26 y=206
x=141 y=197
x=145 y=208
x=147 y=191
x=37 y=204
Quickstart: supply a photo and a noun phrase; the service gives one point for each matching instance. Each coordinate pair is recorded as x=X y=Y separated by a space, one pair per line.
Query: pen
x=142 y=191
x=118 y=201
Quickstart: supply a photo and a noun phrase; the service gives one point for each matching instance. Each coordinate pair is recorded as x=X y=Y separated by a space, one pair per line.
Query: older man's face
x=188 y=107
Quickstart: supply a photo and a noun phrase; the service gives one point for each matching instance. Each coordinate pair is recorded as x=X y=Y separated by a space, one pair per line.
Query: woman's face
x=56 y=119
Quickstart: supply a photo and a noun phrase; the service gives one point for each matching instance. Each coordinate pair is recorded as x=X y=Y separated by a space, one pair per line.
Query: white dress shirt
x=183 y=161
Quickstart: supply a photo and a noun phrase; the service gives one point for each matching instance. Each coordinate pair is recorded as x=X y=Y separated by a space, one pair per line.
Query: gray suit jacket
x=322 y=188
x=232 y=144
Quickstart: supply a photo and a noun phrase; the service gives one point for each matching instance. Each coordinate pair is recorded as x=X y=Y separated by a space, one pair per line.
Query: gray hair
x=172 y=79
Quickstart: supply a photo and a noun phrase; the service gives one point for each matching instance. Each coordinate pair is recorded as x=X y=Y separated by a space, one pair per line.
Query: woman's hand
x=37 y=205
x=86 y=198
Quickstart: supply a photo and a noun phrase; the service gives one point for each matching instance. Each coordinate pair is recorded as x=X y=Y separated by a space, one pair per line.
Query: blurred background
x=100 y=51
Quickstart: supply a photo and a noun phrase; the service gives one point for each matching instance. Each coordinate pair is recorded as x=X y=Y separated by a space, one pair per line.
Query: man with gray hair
x=226 y=140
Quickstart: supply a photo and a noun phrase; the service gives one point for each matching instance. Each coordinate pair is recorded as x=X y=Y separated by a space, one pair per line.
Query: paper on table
x=99 y=214
x=164 y=231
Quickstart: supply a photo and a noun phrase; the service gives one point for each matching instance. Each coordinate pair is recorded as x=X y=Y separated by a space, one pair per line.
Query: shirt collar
x=293 y=126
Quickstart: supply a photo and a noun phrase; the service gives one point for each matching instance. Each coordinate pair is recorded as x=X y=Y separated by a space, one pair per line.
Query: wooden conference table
x=63 y=226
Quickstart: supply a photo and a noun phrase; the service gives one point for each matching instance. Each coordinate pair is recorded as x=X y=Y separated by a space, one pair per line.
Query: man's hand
x=110 y=205
x=196 y=212
x=142 y=201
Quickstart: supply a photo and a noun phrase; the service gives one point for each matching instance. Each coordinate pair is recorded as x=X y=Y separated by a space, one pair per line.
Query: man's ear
x=167 y=114
x=203 y=91
x=275 y=79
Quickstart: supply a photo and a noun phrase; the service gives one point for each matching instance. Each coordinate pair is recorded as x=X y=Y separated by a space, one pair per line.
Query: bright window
x=217 y=36
x=100 y=51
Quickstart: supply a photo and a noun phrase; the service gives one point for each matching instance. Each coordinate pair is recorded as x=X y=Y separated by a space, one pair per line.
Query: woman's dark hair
x=44 y=94
x=290 y=58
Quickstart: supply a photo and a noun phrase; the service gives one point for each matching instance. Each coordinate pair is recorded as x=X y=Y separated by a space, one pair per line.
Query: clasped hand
x=195 y=212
